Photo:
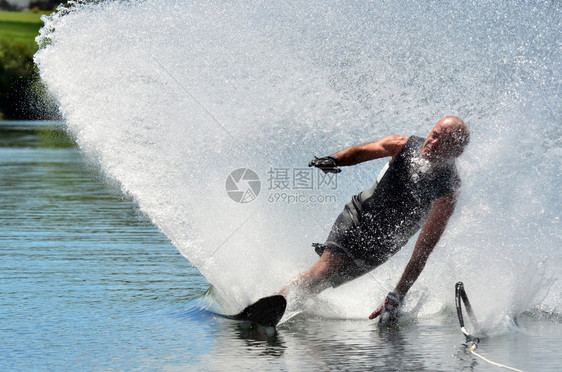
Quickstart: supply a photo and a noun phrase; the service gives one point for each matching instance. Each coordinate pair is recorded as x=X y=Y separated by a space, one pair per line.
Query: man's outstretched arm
x=431 y=231
x=386 y=146
x=430 y=234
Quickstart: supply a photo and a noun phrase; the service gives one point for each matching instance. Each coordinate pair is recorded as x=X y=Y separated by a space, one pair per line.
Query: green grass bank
x=17 y=70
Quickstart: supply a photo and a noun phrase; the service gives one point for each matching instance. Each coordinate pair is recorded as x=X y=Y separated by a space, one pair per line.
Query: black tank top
x=396 y=207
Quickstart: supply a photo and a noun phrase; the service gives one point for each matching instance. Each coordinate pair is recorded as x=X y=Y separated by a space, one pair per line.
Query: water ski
x=267 y=311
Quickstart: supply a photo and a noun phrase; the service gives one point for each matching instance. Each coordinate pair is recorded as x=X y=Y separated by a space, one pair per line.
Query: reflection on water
x=88 y=283
x=307 y=343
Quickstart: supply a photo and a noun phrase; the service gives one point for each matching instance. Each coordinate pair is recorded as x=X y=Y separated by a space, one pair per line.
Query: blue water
x=88 y=283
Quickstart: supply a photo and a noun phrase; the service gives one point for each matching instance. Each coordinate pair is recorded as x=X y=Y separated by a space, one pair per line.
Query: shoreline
x=18 y=72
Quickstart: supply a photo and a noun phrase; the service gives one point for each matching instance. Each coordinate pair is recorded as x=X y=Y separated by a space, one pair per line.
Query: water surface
x=88 y=283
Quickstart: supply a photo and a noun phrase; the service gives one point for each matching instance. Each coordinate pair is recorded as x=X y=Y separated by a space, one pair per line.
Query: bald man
x=418 y=188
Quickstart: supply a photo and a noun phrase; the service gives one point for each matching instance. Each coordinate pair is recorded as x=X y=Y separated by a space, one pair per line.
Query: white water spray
x=170 y=98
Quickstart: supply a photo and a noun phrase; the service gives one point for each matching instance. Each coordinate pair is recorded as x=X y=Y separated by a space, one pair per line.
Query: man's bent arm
x=430 y=234
x=386 y=146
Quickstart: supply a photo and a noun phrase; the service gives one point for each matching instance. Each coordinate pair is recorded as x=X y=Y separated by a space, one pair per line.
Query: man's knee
x=332 y=261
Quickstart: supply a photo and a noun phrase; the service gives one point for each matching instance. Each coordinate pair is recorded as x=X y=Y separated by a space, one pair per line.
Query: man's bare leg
x=316 y=279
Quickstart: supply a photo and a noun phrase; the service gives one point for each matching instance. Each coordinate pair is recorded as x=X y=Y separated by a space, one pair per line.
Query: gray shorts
x=360 y=247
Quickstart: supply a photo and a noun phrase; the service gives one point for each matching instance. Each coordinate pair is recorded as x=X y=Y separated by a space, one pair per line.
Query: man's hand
x=328 y=164
x=389 y=309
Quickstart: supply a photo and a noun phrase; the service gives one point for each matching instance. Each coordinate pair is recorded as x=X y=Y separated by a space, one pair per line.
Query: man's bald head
x=447 y=139
x=458 y=131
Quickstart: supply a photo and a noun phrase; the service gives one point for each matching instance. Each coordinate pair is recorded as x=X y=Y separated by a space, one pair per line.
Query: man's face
x=439 y=144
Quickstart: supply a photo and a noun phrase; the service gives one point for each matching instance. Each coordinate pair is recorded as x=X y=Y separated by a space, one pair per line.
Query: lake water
x=88 y=283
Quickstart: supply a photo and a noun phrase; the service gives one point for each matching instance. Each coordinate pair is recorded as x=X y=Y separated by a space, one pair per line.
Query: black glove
x=328 y=164
x=389 y=309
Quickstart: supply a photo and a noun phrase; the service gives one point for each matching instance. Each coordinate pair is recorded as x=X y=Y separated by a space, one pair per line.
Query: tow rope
x=471 y=340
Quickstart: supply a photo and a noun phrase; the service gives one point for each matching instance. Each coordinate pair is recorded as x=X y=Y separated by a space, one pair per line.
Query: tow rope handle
x=460 y=295
x=472 y=341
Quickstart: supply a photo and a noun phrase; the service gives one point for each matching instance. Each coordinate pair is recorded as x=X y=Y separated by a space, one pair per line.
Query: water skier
x=419 y=189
